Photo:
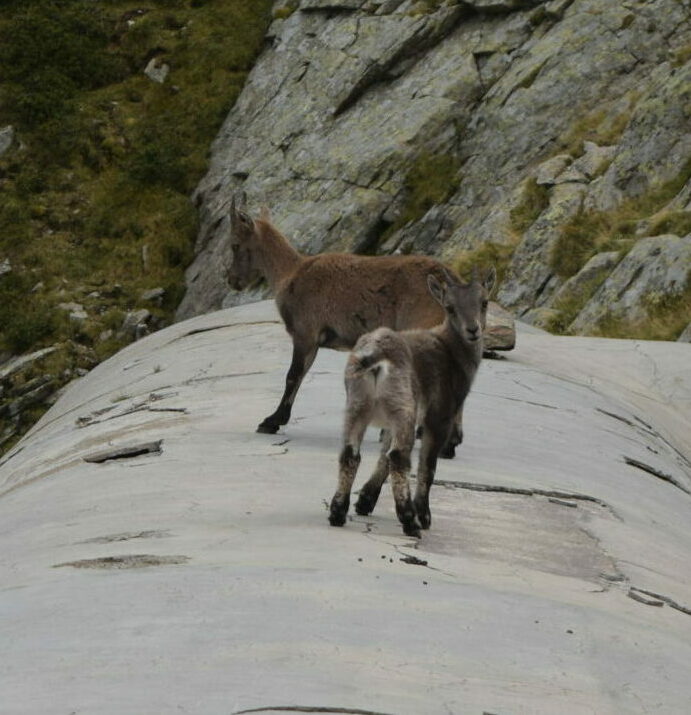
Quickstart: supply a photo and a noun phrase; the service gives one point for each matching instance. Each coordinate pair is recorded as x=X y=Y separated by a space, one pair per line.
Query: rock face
x=349 y=96
x=654 y=270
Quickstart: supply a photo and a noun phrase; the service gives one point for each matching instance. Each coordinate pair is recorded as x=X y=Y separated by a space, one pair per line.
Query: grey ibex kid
x=395 y=380
x=331 y=299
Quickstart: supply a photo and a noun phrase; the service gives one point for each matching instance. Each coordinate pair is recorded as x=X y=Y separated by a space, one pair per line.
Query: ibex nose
x=474 y=332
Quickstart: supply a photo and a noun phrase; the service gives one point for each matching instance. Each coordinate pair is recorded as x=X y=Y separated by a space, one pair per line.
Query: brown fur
x=393 y=379
x=331 y=299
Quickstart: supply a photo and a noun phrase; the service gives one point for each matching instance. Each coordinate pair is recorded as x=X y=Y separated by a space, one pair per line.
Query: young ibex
x=329 y=300
x=394 y=380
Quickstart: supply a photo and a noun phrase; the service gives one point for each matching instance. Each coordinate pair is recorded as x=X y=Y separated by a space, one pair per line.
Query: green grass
x=534 y=201
x=431 y=180
x=600 y=126
x=483 y=257
x=104 y=159
x=591 y=232
x=667 y=316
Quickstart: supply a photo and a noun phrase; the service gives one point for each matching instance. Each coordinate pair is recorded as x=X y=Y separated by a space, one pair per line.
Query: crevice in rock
x=127 y=536
x=656 y=473
x=89 y=420
x=125 y=452
x=309 y=709
x=368 y=244
x=197 y=331
x=639 y=594
x=411 y=48
x=527 y=491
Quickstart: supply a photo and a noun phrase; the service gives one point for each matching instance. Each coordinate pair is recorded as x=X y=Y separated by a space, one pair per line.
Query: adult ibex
x=397 y=380
x=331 y=299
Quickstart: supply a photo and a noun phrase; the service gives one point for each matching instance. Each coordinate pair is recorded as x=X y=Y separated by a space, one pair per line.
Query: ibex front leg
x=303 y=357
x=434 y=436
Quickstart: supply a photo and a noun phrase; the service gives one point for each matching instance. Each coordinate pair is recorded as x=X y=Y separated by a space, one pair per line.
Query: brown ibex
x=395 y=380
x=331 y=299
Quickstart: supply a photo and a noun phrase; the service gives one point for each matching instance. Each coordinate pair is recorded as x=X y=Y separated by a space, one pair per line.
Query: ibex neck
x=277 y=257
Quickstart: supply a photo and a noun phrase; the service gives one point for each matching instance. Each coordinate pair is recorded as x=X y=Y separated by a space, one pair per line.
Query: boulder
x=17 y=364
x=135 y=324
x=500 y=333
x=6 y=138
x=154 y=295
x=157 y=70
x=685 y=336
x=76 y=311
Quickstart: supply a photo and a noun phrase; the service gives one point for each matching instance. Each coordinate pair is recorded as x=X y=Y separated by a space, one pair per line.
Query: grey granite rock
x=554 y=577
x=654 y=269
x=348 y=95
x=588 y=279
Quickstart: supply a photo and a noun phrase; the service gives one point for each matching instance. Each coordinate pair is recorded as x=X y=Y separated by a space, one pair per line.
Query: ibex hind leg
x=399 y=461
x=369 y=494
x=348 y=463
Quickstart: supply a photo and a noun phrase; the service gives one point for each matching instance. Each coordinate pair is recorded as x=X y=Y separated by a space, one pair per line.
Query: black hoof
x=338 y=511
x=424 y=515
x=412 y=529
x=336 y=519
x=366 y=503
x=268 y=427
x=448 y=451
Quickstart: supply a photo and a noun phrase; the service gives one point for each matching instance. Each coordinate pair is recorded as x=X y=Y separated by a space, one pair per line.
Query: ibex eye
x=450 y=310
x=485 y=303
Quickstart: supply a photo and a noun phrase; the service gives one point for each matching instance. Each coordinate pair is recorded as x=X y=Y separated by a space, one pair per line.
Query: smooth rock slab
x=516 y=601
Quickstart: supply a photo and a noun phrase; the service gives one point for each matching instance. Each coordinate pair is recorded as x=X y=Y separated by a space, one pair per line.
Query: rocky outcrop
x=590 y=99
x=655 y=270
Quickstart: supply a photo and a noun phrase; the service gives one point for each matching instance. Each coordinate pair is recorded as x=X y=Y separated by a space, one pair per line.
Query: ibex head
x=244 y=270
x=465 y=304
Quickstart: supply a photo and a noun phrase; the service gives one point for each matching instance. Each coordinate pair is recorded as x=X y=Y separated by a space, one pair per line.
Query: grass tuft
x=534 y=201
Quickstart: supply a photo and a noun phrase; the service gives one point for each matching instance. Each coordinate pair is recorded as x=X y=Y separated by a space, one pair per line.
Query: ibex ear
x=237 y=202
x=490 y=279
x=264 y=214
x=436 y=288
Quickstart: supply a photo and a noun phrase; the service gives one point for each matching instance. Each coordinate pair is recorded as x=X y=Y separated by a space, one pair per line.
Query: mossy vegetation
x=590 y=232
x=667 y=316
x=534 y=201
x=95 y=189
x=483 y=257
x=681 y=56
x=431 y=180
x=286 y=10
x=601 y=126
x=425 y=7
x=568 y=307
